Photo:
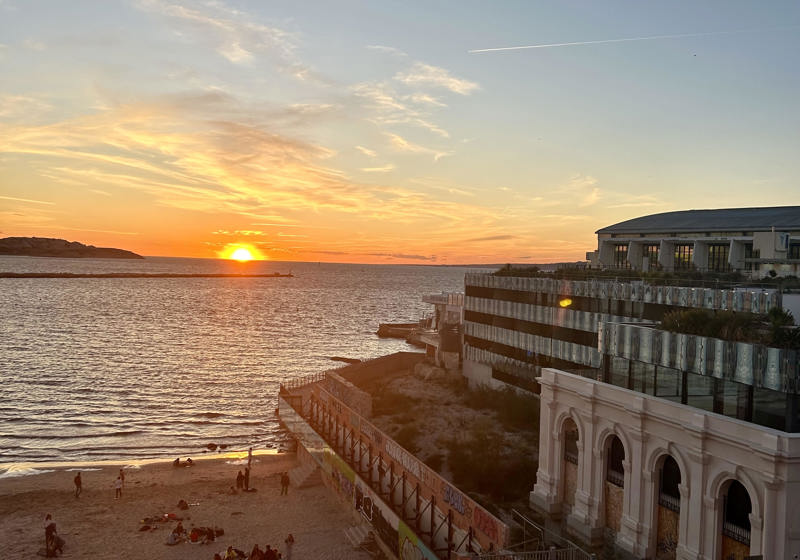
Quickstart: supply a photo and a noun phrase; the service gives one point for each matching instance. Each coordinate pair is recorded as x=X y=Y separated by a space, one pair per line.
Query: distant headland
x=48 y=247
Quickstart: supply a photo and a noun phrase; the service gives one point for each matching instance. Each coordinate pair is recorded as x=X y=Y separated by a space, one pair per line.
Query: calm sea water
x=113 y=368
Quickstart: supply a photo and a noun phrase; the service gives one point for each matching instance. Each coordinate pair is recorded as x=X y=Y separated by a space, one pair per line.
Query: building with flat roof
x=754 y=241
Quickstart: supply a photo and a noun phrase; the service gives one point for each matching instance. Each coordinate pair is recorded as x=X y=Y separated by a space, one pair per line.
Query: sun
x=242 y=255
x=240 y=252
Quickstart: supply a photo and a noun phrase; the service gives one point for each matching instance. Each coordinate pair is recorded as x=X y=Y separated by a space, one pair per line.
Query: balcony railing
x=615 y=478
x=670 y=502
x=739 y=534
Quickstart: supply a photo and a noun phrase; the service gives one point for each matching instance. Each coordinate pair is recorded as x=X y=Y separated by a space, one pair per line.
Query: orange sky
x=322 y=132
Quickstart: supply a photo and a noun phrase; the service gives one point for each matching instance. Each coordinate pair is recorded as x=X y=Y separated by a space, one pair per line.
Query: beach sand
x=98 y=526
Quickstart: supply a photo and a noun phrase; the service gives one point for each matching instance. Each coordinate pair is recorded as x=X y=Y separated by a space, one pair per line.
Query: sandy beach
x=96 y=525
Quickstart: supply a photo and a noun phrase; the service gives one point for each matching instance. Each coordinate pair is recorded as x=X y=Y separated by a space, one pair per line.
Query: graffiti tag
x=486 y=524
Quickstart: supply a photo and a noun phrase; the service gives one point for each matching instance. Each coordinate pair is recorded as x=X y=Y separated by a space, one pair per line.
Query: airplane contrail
x=627 y=39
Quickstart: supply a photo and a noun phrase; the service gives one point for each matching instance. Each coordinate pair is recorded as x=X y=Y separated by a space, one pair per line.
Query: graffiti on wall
x=411 y=548
x=489 y=532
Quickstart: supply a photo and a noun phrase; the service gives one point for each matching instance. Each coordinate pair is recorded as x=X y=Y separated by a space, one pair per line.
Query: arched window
x=571 y=442
x=736 y=513
x=615 y=473
x=669 y=494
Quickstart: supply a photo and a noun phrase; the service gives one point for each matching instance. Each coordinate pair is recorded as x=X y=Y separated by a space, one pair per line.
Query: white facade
x=710 y=450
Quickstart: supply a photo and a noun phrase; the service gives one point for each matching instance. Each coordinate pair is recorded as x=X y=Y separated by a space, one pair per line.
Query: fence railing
x=735 y=532
x=303 y=381
x=670 y=502
x=564 y=548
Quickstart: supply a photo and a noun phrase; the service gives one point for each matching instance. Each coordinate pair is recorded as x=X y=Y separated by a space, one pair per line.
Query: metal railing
x=670 y=502
x=560 y=547
x=303 y=381
x=739 y=534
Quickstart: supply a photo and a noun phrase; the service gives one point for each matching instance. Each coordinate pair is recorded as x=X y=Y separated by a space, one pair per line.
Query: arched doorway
x=615 y=483
x=570 y=477
x=736 y=510
x=669 y=508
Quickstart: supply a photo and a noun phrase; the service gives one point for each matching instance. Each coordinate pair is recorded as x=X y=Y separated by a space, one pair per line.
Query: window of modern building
x=718 y=257
x=643 y=377
x=621 y=256
x=700 y=391
x=750 y=253
x=794 y=251
x=650 y=253
x=668 y=383
x=619 y=372
x=769 y=409
x=684 y=253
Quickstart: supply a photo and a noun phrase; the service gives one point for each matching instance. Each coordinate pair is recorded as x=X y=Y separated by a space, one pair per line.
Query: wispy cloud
x=490 y=238
x=34 y=45
x=23 y=107
x=366 y=151
x=426 y=74
x=388 y=50
x=385 y=169
x=402 y=145
x=26 y=200
x=234 y=34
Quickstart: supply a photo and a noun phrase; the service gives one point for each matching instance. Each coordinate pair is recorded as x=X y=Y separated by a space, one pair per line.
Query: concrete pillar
x=700 y=255
x=545 y=495
x=587 y=516
x=693 y=509
x=666 y=255
x=635 y=255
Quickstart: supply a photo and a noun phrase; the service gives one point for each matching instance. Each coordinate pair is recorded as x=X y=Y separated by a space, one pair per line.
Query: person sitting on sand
x=270 y=553
x=177 y=535
x=176 y=462
x=230 y=554
x=189 y=462
x=256 y=553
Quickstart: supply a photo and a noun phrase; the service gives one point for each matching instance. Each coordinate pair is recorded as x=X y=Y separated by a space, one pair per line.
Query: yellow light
x=566 y=302
x=241 y=254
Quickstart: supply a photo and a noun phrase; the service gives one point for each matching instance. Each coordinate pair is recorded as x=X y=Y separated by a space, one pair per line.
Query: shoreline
x=50 y=466
x=137 y=525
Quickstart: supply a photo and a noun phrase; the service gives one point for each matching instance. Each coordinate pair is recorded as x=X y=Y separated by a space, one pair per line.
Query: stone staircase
x=305 y=475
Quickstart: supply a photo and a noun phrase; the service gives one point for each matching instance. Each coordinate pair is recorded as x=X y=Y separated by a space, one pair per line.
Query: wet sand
x=98 y=526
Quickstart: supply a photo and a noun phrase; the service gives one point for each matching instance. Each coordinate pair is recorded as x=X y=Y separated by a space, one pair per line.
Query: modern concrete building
x=665 y=445
x=754 y=241
x=443 y=334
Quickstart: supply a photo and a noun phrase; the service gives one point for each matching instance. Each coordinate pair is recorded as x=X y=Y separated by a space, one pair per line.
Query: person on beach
x=118 y=488
x=239 y=481
x=250 y=459
x=246 y=479
x=289 y=542
x=256 y=553
x=284 y=483
x=78 y=484
x=53 y=544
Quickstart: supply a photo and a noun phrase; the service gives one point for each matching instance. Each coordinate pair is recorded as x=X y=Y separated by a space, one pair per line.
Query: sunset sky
x=374 y=132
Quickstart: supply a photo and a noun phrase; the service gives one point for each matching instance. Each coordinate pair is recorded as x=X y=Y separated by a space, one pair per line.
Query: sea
x=144 y=368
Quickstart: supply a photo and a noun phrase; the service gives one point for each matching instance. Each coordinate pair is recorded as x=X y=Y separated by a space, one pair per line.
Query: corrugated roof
x=782 y=218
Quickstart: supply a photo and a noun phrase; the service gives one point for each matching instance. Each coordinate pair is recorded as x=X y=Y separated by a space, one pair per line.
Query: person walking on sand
x=246 y=479
x=284 y=483
x=78 y=484
x=289 y=544
x=239 y=481
x=118 y=488
x=250 y=458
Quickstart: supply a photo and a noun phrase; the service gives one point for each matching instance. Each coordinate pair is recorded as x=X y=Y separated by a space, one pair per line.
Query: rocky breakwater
x=48 y=247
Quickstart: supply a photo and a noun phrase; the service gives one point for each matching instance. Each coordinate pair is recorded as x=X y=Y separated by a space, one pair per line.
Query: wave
x=73 y=436
x=15 y=472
